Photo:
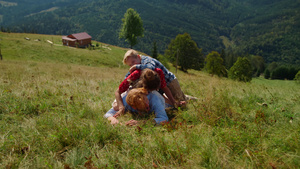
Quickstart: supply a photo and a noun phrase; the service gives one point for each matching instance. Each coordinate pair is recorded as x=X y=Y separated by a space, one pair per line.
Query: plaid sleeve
x=126 y=82
x=146 y=62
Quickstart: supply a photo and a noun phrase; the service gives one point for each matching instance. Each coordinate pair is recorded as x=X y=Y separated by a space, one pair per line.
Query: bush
x=214 y=64
x=241 y=70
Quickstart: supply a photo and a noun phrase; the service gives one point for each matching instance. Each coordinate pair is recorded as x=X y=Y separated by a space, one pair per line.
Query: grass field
x=53 y=98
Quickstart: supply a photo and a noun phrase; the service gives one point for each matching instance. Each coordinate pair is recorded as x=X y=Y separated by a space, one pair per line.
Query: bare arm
x=122 y=88
x=120 y=103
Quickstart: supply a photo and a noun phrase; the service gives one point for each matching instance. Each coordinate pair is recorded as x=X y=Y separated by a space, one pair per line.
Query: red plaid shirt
x=136 y=75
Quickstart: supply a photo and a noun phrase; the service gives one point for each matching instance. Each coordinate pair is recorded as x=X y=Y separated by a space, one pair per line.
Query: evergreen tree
x=223 y=56
x=241 y=70
x=230 y=58
x=154 y=50
x=132 y=27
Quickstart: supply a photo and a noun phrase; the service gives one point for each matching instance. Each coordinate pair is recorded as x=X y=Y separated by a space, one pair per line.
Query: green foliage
x=284 y=72
x=297 y=77
x=272 y=66
x=258 y=65
x=241 y=70
x=214 y=64
x=132 y=27
x=230 y=58
x=162 y=59
x=184 y=50
x=267 y=74
x=264 y=28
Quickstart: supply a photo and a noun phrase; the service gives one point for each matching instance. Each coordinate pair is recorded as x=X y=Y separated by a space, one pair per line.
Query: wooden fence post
x=177 y=60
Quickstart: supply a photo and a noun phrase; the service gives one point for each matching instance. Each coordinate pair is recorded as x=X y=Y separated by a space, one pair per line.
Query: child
x=135 y=61
x=140 y=100
x=149 y=79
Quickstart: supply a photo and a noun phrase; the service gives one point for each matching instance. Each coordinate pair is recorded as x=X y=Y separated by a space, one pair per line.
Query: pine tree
x=154 y=50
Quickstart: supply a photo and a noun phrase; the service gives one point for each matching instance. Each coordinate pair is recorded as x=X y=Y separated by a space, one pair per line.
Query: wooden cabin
x=80 y=40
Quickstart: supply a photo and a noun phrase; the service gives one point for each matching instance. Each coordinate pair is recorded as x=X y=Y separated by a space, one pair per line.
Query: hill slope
x=269 y=29
x=53 y=99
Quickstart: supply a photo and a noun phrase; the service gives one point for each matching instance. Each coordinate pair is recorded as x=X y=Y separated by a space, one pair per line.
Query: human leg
x=176 y=90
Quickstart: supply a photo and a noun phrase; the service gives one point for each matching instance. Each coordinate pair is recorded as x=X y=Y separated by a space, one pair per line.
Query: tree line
x=263 y=28
x=184 y=53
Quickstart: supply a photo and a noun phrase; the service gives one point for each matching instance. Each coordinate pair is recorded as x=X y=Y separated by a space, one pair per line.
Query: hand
x=180 y=104
x=131 y=123
x=114 y=121
x=132 y=68
x=120 y=112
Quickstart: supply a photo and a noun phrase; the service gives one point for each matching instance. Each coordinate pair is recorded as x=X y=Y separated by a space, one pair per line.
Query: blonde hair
x=130 y=53
x=135 y=98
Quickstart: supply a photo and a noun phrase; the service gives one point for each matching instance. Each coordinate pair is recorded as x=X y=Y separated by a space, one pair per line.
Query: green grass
x=53 y=100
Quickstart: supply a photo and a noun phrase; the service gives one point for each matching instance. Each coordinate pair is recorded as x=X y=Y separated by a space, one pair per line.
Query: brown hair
x=149 y=79
x=130 y=53
x=135 y=98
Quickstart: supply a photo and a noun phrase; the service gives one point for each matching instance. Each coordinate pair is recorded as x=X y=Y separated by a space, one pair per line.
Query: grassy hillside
x=53 y=99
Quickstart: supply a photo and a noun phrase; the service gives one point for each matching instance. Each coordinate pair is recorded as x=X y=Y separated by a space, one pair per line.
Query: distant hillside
x=260 y=27
x=36 y=48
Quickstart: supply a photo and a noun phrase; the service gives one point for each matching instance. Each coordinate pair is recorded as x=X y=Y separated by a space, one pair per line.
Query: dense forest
x=268 y=28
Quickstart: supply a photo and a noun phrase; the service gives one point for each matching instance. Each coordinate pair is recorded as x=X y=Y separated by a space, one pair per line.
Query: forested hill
x=269 y=28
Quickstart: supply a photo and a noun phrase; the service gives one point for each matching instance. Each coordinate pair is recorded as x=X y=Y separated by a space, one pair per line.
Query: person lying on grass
x=148 y=79
x=140 y=100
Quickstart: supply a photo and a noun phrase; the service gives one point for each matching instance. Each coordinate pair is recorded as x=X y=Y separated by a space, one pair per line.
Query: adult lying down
x=140 y=100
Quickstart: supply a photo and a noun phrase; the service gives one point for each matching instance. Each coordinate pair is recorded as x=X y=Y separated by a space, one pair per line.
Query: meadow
x=53 y=98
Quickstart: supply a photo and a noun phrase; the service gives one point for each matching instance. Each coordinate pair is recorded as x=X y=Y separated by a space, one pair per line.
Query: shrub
x=241 y=70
